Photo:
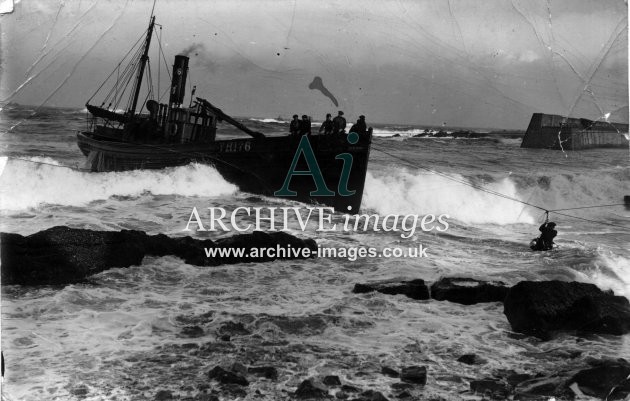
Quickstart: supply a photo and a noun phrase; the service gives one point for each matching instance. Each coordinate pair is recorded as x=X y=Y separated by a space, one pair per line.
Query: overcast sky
x=463 y=63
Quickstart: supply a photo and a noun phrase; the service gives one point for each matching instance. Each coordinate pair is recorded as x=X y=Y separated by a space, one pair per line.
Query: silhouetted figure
x=360 y=127
x=305 y=125
x=294 y=127
x=545 y=241
x=327 y=126
x=339 y=123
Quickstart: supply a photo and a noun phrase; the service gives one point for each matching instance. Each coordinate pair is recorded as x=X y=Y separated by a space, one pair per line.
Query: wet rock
x=540 y=307
x=226 y=377
x=493 y=388
x=311 y=388
x=80 y=391
x=620 y=392
x=163 y=395
x=63 y=255
x=548 y=387
x=268 y=372
x=349 y=388
x=471 y=359
x=600 y=380
x=468 y=291
x=371 y=395
x=332 y=381
x=401 y=386
x=192 y=331
x=414 y=374
x=414 y=289
x=234 y=329
x=206 y=397
x=239 y=368
x=387 y=371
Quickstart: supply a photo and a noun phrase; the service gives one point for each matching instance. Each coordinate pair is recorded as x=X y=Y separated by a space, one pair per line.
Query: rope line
x=480 y=188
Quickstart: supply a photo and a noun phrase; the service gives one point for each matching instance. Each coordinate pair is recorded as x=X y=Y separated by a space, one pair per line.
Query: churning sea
x=123 y=335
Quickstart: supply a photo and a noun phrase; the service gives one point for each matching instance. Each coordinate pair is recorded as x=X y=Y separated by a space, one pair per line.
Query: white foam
x=26 y=185
x=612 y=273
x=404 y=192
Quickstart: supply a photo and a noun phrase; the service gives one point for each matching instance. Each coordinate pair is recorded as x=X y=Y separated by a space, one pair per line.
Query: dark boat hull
x=256 y=165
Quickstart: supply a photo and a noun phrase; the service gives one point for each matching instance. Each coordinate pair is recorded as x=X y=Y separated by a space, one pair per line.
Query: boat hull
x=256 y=165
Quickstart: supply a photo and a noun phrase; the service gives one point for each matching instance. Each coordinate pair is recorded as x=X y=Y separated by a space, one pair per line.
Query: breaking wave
x=403 y=191
x=269 y=120
x=28 y=184
x=414 y=192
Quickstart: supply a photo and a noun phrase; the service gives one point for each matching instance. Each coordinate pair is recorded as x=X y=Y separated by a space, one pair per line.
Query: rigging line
x=500 y=194
x=594 y=221
x=117 y=66
x=126 y=75
x=587 y=207
x=463 y=182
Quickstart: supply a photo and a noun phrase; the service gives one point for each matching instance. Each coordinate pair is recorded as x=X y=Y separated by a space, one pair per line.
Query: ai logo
x=305 y=149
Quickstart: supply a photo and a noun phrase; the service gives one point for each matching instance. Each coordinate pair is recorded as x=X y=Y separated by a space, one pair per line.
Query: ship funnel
x=178 y=86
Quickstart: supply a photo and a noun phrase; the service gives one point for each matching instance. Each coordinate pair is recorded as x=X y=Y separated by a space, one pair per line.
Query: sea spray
x=25 y=184
x=404 y=192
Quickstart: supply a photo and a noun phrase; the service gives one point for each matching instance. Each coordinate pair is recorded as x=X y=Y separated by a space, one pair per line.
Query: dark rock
x=192 y=331
x=404 y=394
x=80 y=391
x=468 y=291
x=516 y=378
x=371 y=395
x=163 y=395
x=239 y=368
x=494 y=388
x=349 y=389
x=620 y=392
x=332 y=380
x=63 y=255
x=414 y=289
x=311 y=388
x=234 y=329
x=540 y=307
x=268 y=372
x=340 y=395
x=401 y=386
x=599 y=381
x=225 y=337
x=471 y=359
x=414 y=374
x=535 y=389
x=226 y=377
x=387 y=371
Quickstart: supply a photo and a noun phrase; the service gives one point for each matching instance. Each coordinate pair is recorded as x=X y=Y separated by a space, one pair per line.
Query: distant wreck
x=549 y=131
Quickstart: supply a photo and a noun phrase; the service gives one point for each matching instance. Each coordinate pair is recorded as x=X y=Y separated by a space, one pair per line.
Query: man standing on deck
x=327 y=126
x=339 y=123
x=294 y=127
x=360 y=127
x=305 y=126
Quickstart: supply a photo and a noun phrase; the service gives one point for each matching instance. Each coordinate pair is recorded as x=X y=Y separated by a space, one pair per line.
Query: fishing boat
x=323 y=169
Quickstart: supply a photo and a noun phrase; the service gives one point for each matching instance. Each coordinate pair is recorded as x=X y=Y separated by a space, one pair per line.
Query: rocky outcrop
x=414 y=289
x=539 y=308
x=63 y=255
x=603 y=379
x=468 y=291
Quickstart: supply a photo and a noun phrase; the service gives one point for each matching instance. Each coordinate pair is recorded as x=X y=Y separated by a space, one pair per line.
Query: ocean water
x=125 y=334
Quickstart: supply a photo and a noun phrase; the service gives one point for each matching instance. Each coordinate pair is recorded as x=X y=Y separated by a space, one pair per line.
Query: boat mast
x=143 y=63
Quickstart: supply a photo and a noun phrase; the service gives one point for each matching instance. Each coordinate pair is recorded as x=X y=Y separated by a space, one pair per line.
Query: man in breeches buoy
x=545 y=241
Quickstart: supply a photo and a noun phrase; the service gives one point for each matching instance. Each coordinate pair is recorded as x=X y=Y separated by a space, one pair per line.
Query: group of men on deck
x=336 y=125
